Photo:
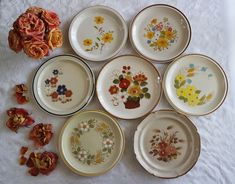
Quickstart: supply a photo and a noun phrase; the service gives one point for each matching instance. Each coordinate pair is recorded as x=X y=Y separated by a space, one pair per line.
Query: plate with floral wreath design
x=129 y=87
x=167 y=144
x=91 y=143
x=63 y=85
x=195 y=84
x=160 y=33
x=98 y=33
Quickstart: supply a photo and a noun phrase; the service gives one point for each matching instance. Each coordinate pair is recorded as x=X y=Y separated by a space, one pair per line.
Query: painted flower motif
x=150 y=35
x=99 y=20
x=162 y=43
x=47 y=81
x=169 y=35
x=140 y=77
x=181 y=92
x=190 y=89
x=87 y=42
x=54 y=96
x=154 y=21
x=123 y=96
x=14 y=41
x=107 y=37
x=84 y=127
x=193 y=100
x=113 y=89
x=134 y=90
x=55 y=72
x=108 y=143
x=51 y=18
x=68 y=93
x=124 y=83
x=53 y=81
x=180 y=77
x=82 y=155
x=61 y=89
x=55 y=38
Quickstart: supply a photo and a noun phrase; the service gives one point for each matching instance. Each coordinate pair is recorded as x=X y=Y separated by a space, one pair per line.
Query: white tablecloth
x=212 y=33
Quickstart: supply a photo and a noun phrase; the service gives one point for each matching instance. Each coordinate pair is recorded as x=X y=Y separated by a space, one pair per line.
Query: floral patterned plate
x=167 y=144
x=98 y=33
x=160 y=33
x=91 y=143
x=129 y=87
x=195 y=84
x=63 y=85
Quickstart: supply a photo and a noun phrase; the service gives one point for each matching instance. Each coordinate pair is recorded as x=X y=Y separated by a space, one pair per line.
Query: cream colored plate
x=160 y=33
x=167 y=144
x=91 y=143
x=98 y=33
x=129 y=87
x=195 y=84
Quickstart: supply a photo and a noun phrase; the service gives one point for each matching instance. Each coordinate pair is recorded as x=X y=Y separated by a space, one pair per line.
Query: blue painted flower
x=61 y=89
x=203 y=69
x=148 y=41
x=55 y=72
x=47 y=81
x=189 y=81
x=210 y=75
x=191 y=65
x=172 y=41
x=154 y=28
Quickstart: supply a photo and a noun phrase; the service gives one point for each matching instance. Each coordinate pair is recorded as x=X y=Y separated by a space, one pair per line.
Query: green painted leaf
x=176 y=86
x=95 y=27
x=147 y=95
x=203 y=98
x=143 y=83
x=76 y=129
x=96 y=44
x=177 y=81
x=181 y=97
x=183 y=83
x=78 y=149
x=104 y=149
x=145 y=90
x=209 y=97
x=120 y=77
x=98 y=38
x=93 y=156
x=87 y=50
x=198 y=91
x=88 y=162
x=128 y=73
x=136 y=83
x=151 y=45
x=116 y=81
x=141 y=95
x=110 y=134
x=109 y=150
x=75 y=152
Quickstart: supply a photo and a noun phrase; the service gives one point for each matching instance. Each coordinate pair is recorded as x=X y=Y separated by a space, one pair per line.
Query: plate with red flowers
x=63 y=85
x=129 y=87
x=167 y=144
x=160 y=33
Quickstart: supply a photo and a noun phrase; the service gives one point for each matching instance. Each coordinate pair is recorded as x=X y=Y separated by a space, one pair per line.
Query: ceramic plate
x=91 y=143
x=63 y=85
x=98 y=33
x=195 y=84
x=160 y=33
x=167 y=144
x=129 y=87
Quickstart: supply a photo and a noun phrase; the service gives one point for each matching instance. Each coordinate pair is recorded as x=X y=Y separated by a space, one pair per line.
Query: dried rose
x=51 y=18
x=23 y=150
x=29 y=25
x=20 y=91
x=43 y=163
x=14 y=41
x=36 y=49
x=18 y=118
x=35 y=10
x=55 y=38
x=41 y=134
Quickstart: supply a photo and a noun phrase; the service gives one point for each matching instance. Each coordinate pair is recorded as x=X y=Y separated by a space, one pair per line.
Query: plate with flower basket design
x=91 y=143
x=129 y=87
x=160 y=33
x=63 y=85
x=195 y=84
x=167 y=144
x=98 y=33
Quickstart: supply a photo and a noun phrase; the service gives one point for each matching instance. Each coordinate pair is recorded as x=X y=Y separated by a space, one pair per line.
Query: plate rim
x=159 y=80
x=121 y=152
x=210 y=60
x=124 y=40
x=71 y=113
x=166 y=61
x=196 y=133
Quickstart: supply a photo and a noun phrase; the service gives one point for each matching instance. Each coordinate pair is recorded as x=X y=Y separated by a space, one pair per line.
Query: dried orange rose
x=35 y=10
x=51 y=18
x=55 y=38
x=14 y=41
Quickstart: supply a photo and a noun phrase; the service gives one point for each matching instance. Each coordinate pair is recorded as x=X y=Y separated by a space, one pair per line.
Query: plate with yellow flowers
x=160 y=33
x=97 y=33
x=91 y=143
x=195 y=84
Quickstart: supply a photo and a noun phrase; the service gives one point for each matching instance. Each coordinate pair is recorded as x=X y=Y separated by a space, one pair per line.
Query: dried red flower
x=22 y=160
x=18 y=118
x=23 y=150
x=20 y=91
x=41 y=134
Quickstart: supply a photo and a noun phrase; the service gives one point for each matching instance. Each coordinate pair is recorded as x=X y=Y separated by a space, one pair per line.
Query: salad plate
x=160 y=33
x=129 y=87
x=195 y=84
x=98 y=33
x=167 y=144
x=91 y=143
x=63 y=85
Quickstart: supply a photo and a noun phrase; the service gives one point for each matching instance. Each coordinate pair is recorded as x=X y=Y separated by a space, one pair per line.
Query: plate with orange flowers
x=98 y=33
x=167 y=144
x=129 y=87
x=160 y=33
x=63 y=85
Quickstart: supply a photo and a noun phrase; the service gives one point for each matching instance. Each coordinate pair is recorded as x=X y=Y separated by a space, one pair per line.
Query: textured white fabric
x=210 y=36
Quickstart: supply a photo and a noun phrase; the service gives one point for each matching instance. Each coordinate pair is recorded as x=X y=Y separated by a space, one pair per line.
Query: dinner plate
x=160 y=33
x=91 y=143
x=195 y=84
x=98 y=33
x=167 y=144
x=63 y=85
x=129 y=87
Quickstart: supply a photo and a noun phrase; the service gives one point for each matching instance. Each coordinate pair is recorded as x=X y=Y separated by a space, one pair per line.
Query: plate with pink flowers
x=160 y=33
x=63 y=85
x=98 y=33
x=167 y=144
x=129 y=87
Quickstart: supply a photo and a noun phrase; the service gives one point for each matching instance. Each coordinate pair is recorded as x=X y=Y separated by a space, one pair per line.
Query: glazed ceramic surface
x=91 y=143
x=195 y=84
x=167 y=144
x=129 y=87
x=160 y=33
x=98 y=33
x=63 y=85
